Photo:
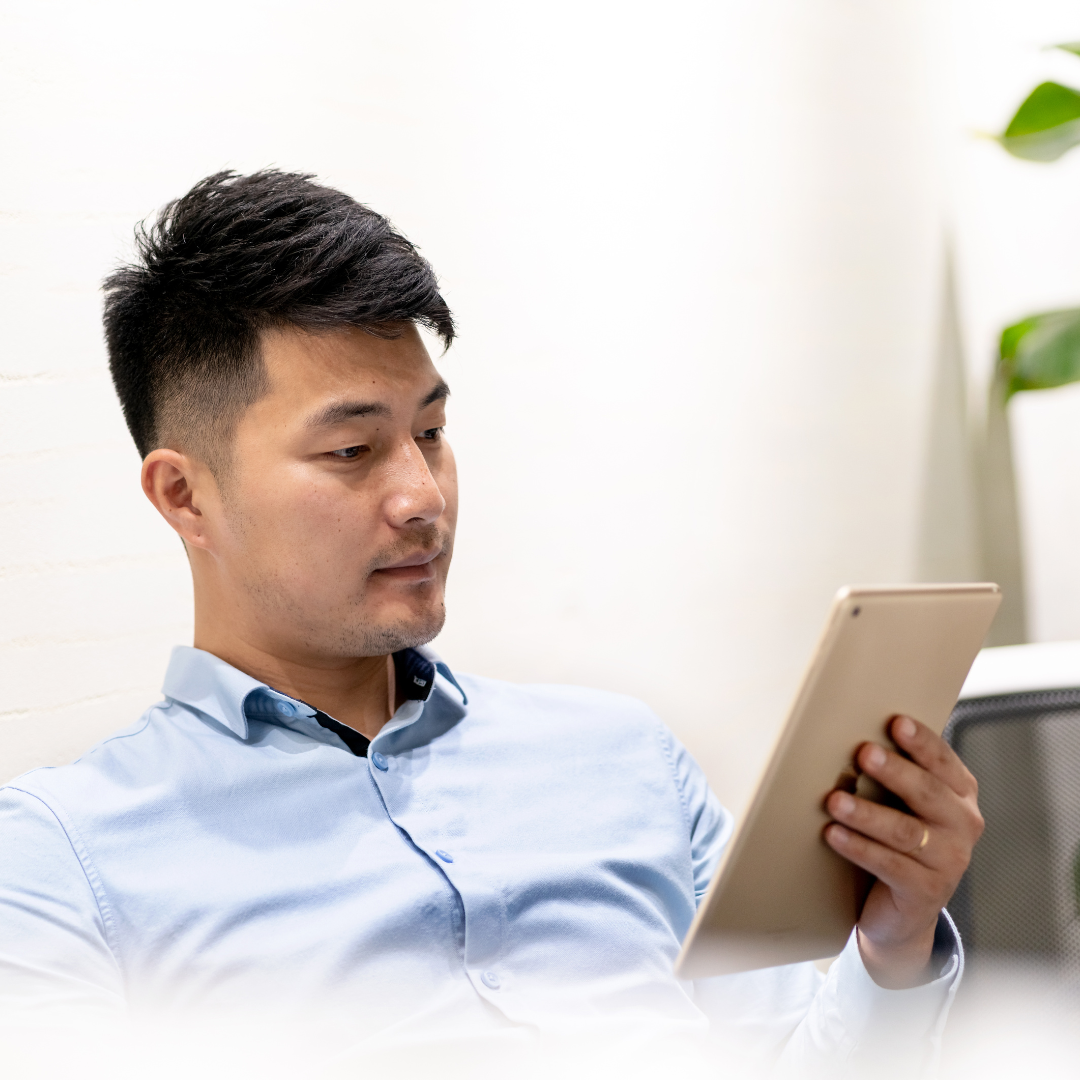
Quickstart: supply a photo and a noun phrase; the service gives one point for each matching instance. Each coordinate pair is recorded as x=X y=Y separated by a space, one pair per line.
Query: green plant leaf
x=1069 y=46
x=1041 y=352
x=1046 y=125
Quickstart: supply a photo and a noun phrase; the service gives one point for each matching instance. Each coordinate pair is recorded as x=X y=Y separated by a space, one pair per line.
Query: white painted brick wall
x=93 y=591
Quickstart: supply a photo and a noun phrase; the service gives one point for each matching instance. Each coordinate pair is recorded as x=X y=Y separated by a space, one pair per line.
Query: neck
x=357 y=691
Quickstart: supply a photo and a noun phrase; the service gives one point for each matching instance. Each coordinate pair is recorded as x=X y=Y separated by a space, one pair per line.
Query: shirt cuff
x=870 y=1015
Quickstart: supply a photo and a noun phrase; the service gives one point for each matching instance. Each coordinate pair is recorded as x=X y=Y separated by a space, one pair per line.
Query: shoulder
x=556 y=702
x=130 y=758
x=580 y=719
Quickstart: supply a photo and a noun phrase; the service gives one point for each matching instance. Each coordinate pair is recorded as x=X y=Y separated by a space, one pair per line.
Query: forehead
x=303 y=368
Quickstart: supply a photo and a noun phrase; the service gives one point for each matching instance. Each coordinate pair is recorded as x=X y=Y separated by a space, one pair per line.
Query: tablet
x=780 y=893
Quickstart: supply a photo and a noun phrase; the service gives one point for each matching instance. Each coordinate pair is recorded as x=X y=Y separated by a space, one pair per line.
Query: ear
x=181 y=489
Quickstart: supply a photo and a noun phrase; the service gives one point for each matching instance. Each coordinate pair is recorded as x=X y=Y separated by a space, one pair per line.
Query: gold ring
x=922 y=843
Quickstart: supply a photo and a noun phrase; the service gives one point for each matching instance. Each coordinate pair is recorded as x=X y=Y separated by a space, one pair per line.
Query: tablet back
x=780 y=893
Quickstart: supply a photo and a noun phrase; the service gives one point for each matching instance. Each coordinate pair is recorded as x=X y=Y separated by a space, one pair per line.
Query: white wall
x=694 y=250
x=1017 y=233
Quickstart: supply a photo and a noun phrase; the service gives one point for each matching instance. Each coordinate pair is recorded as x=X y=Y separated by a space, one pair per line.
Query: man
x=321 y=817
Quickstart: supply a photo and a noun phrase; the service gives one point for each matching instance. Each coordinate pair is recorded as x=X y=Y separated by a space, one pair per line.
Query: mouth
x=417 y=567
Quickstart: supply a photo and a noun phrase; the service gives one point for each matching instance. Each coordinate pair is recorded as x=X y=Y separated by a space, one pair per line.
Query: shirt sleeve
x=811 y=1021
x=855 y=1022
x=55 y=959
x=710 y=823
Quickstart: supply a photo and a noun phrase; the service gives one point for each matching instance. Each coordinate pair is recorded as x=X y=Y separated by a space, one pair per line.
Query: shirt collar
x=438 y=664
x=207 y=683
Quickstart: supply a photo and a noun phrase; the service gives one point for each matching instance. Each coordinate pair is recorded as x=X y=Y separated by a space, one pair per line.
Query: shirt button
x=445 y=855
x=379 y=761
x=286 y=708
x=490 y=980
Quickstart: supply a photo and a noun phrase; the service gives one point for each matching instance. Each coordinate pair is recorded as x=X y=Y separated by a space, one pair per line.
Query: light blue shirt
x=504 y=855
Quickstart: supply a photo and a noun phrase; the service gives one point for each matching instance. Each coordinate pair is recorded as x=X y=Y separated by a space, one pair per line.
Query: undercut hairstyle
x=235 y=257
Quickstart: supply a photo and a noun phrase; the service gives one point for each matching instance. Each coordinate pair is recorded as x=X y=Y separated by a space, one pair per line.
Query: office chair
x=1017 y=728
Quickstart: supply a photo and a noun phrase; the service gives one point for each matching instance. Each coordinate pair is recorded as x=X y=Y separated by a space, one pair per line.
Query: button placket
x=483 y=912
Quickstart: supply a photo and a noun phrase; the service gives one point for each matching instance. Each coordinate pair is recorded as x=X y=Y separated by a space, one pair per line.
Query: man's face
x=339 y=509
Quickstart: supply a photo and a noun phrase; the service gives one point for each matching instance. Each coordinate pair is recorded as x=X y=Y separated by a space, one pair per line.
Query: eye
x=347 y=453
x=433 y=434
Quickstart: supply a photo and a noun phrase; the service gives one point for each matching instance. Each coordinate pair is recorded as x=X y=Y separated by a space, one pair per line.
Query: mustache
x=426 y=538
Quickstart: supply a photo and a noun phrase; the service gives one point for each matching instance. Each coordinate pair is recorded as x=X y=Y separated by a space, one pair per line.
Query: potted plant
x=1039 y=352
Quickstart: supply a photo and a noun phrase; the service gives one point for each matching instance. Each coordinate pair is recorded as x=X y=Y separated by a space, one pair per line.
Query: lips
x=416 y=568
x=419 y=558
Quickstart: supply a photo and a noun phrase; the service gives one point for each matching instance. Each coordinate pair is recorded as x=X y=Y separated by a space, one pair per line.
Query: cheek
x=299 y=522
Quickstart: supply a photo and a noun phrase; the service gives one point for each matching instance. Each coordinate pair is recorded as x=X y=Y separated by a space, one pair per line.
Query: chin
x=391 y=632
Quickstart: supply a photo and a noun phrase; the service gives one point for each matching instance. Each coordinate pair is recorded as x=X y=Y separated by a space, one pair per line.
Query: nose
x=413 y=496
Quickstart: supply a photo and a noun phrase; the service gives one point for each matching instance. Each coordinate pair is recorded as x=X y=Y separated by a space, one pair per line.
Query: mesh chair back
x=1019 y=898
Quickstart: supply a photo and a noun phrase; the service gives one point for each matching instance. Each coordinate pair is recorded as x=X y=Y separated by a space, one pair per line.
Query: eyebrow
x=439 y=392
x=339 y=412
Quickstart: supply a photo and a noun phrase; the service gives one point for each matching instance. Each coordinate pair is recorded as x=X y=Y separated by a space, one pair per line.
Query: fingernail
x=838 y=834
x=843 y=802
x=875 y=757
x=905 y=727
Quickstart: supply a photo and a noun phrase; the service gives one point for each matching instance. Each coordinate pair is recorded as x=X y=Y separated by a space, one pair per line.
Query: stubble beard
x=368 y=640
x=353 y=634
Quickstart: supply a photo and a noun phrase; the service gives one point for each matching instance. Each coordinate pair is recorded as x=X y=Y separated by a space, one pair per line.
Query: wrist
x=898 y=965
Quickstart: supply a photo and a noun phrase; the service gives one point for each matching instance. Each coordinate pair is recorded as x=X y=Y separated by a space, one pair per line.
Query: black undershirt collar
x=415 y=679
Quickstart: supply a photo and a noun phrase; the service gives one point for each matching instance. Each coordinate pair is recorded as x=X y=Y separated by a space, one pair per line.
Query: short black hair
x=236 y=256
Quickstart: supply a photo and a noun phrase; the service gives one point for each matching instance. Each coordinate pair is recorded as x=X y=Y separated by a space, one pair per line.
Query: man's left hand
x=918 y=860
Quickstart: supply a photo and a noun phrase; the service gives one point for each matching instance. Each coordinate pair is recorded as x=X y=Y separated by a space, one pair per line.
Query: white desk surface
x=1010 y=669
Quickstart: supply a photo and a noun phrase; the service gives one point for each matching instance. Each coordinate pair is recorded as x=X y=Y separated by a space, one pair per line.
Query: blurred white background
x=696 y=251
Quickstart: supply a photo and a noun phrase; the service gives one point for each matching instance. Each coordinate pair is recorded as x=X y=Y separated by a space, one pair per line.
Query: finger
x=934 y=754
x=901 y=874
x=894 y=829
x=927 y=796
